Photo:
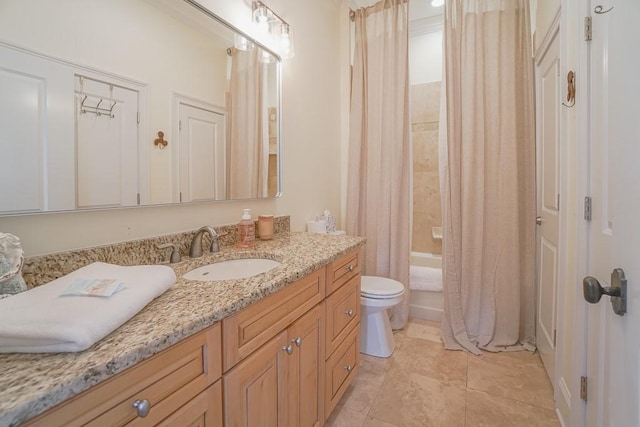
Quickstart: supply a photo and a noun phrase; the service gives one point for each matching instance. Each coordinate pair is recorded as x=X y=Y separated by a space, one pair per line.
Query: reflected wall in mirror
x=88 y=85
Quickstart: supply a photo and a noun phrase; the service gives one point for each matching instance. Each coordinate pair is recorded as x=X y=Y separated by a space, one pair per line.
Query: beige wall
x=545 y=12
x=427 y=209
x=312 y=121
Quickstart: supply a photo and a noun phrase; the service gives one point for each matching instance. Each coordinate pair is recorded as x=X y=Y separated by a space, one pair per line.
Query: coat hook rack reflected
x=571 y=89
x=160 y=141
x=600 y=10
x=97 y=110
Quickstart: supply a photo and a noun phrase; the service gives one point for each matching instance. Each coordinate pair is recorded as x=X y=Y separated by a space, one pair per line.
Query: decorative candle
x=265 y=227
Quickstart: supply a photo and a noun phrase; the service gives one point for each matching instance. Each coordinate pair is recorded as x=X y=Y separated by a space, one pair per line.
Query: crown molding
x=428 y=25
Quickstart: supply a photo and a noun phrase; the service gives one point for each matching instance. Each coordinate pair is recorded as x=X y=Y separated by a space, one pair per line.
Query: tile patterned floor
x=424 y=385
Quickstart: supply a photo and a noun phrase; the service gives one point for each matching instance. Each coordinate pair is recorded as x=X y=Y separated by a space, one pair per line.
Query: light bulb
x=286 y=41
x=261 y=17
x=437 y=3
x=260 y=14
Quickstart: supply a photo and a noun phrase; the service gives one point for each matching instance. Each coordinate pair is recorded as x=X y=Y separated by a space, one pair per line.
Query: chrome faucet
x=195 y=251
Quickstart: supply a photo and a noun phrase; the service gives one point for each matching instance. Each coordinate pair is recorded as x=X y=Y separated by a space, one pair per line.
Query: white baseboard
x=425 y=313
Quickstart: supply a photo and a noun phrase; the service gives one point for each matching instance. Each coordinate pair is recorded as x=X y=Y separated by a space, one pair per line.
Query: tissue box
x=329 y=219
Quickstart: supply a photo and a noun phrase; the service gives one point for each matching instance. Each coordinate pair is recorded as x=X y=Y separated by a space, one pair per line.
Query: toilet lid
x=380 y=287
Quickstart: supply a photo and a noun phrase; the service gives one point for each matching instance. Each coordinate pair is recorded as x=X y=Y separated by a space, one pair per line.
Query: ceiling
x=420 y=9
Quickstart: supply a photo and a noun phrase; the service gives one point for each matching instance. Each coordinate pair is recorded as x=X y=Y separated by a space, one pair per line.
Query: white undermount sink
x=232 y=269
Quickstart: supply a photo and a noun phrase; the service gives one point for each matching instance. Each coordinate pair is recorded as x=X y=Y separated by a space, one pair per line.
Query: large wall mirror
x=132 y=102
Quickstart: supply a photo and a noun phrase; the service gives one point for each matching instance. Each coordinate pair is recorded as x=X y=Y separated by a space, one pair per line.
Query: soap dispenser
x=246 y=231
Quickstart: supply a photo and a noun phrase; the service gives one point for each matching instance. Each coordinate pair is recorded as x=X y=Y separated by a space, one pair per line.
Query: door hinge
x=587 y=208
x=138 y=198
x=181 y=196
x=179 y=124
x=138 y=117
x=554 y=337
x=558 y=202
x=587 y=28
x=583 y=388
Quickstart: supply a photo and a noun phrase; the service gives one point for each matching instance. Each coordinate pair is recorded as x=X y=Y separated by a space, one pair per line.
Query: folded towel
x=425 y=278
x=41 y=320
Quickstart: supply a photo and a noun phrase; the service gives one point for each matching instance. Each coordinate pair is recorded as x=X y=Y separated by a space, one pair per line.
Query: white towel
x=42 y=321
x=425 y=278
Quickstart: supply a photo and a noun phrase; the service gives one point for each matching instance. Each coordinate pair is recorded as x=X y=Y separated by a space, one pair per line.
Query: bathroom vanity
x=279 y=348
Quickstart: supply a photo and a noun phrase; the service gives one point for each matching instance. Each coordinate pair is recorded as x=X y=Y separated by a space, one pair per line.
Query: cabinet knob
x=349 y=312
x=288 y=349
x=297 y=341
x=143 y=407
x=348 y=368
x=350 y=267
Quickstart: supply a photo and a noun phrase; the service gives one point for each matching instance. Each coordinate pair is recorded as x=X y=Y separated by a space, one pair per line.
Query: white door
x=548 y=98
x=613 y=355
x=106 y=144
x=202 y=154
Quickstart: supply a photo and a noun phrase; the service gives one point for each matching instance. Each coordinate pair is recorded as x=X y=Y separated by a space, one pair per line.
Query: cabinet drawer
x=342 y=270
x=168 y=380
x=248 y=329
x=341 y=368
x=205 y=410
x=342 y=313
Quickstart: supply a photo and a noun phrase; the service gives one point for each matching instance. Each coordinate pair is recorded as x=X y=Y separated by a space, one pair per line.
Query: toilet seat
x=380 y=288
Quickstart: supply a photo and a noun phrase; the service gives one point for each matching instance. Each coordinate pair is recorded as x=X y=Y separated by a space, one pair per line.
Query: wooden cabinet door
x=305 y=387
x=255 y=390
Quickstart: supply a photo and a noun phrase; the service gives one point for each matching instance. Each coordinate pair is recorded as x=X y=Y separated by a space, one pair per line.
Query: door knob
x=593 y=291
x=539 y=220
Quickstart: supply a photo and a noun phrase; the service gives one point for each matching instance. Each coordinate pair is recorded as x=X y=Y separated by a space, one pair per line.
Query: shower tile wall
x=425 y=112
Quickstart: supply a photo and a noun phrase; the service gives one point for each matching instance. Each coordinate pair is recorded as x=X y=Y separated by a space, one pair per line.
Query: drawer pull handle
x=348 y=368
x=349 y=312
x=288 y=349
x=350 y=267
x=143 y=407
x=297 y=341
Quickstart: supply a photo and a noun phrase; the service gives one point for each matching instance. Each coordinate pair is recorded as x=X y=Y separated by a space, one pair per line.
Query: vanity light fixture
x=242 y=43
x=272 y=24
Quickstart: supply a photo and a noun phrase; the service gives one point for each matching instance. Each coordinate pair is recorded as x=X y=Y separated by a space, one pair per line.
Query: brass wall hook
x=571 y=90
x=161 y=141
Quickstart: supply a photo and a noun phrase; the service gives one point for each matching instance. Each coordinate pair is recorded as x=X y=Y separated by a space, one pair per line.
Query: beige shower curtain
x=378 y=196
x=489 y=177
x=248 y=153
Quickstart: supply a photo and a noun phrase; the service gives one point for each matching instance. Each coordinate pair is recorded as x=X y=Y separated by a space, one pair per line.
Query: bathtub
x=423 y=304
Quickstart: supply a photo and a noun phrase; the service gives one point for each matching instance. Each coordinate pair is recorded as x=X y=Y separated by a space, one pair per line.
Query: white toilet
x=377 y=294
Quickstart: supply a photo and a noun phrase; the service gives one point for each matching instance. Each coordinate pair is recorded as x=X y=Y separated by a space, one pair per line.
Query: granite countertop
x=32 y=383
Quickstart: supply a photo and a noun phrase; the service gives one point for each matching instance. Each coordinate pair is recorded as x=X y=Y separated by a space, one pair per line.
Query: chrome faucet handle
x=215 y=247
x=175 y=253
